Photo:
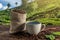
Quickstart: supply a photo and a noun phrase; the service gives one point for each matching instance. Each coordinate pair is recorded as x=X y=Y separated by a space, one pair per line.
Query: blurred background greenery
x=44 y=11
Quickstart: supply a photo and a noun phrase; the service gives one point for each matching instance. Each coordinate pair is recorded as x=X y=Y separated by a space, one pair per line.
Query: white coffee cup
x=34 y=27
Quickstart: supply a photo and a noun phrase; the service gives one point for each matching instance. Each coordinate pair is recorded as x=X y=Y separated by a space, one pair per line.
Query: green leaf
x=56 y=33
x=51 y=37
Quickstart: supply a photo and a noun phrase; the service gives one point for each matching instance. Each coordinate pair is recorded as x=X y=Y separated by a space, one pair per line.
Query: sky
x=3 y=3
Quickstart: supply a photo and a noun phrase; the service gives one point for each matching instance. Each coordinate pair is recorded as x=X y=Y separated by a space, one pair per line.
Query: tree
x=16 y=3
x=8 y=5
x=24 y=4
x=34 y=5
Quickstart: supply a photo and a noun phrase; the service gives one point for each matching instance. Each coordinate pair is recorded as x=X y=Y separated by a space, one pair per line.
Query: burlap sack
x=18 y=20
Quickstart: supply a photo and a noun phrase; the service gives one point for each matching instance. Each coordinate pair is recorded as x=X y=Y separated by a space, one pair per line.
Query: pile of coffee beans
x=20 y=11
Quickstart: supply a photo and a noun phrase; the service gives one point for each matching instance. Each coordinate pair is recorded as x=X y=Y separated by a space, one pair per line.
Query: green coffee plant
x=51 y=37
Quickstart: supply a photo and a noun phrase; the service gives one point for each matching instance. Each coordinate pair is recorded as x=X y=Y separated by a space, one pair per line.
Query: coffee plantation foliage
x=44 y=11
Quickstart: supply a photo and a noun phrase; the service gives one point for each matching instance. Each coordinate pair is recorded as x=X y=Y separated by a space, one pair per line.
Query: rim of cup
x=32 y=23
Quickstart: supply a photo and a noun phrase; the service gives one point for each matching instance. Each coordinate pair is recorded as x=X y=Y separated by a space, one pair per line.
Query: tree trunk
x=24 y=4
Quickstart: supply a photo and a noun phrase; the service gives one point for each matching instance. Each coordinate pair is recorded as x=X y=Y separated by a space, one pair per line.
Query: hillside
x=43 y=11
x=4 y=17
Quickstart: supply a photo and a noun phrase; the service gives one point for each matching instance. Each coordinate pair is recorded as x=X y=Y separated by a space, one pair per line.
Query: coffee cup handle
x=44 y=26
